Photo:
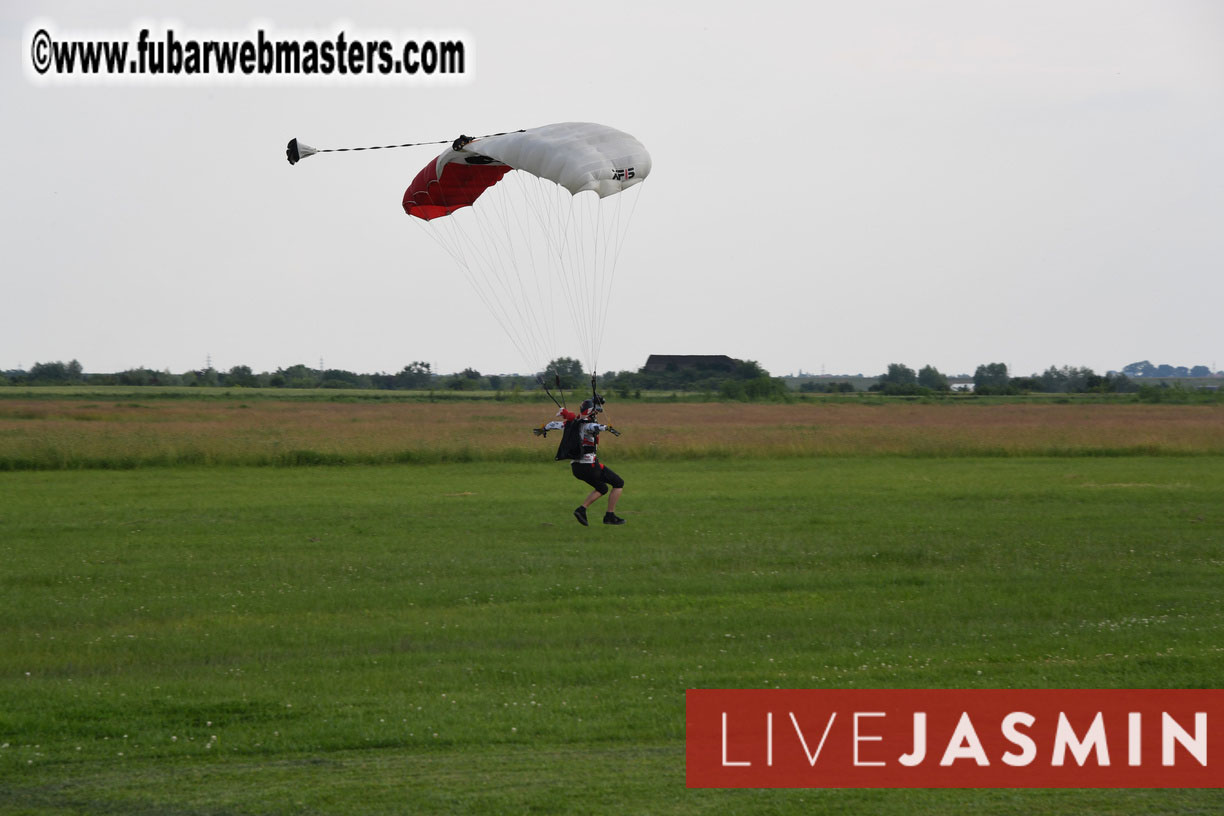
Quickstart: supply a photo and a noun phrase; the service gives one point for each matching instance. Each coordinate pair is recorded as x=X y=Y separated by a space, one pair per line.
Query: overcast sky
x=836 y=186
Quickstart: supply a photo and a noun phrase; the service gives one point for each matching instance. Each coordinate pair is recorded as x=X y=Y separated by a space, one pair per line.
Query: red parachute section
x=430 y=197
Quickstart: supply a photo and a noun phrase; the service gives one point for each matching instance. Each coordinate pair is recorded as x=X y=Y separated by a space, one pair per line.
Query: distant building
x=681 y=362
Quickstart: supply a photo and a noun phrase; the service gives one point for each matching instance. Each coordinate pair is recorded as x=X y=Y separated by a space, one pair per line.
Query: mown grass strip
x=444 y=638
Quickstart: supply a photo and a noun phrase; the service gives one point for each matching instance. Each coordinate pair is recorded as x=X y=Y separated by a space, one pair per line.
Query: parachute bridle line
x=378 y=147
x=295 y=151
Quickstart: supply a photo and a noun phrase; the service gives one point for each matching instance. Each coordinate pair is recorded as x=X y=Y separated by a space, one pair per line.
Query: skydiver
x=579 y=440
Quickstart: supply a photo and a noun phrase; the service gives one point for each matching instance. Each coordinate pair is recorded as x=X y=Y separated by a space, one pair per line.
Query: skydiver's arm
x=543 y=430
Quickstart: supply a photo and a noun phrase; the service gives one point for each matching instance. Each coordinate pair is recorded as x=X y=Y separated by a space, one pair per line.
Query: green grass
x=445 y=639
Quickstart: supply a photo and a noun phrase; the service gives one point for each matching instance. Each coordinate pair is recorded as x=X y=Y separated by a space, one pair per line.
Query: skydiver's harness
x=577 y=443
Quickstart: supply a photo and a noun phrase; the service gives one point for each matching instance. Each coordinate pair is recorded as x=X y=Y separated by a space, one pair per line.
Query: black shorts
x=596 y=475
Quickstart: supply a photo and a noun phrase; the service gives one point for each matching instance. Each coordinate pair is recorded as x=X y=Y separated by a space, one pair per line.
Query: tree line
x=994 y=378
x=741 y=379
x=746 y=379
x=1144 y=368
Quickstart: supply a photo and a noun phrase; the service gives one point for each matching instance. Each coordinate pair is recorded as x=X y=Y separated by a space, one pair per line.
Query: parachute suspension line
x=568 y=278
x=591 y=259
x=536 y=290
x=545 y=209
x=522 y=291
x=481 y=252
x=504 y=277
x=607 y=263
x=513 y=223
x=510 y=277
x=587 y=271
x=579 y=276
x=586 y=238
x=538 y=197
x=452 y=240
x=617 y=234
x=525 y=251
x=555 y=222
x=579 y=273
x=506 y=242
x=544 y=246
x=540 y=201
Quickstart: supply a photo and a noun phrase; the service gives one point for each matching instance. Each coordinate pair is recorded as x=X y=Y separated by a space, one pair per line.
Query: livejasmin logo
x=925 y=738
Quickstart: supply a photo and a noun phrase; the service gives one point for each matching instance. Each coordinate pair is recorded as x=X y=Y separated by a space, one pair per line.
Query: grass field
x=220 y=638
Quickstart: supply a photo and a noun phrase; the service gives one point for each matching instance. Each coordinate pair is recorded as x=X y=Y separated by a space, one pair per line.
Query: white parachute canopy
x=536 y=219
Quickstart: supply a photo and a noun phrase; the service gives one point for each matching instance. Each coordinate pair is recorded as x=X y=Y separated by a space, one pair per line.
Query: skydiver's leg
x=617 y=484
x=591 y=475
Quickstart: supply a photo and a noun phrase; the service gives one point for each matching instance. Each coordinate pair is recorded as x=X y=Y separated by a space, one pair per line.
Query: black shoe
x=580 y=514
x=612 y=518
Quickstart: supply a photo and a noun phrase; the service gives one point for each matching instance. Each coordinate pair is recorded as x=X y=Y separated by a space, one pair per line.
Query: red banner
x=926 y=738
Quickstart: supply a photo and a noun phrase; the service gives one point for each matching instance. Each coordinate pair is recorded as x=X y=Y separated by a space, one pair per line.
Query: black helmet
x=591 y=407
